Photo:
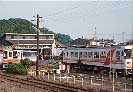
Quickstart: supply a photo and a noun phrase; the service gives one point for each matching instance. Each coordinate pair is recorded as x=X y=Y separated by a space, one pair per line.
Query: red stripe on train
x=109 y=57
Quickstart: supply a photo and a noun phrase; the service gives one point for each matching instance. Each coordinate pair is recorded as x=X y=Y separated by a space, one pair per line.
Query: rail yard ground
x=10 y=86
x=97 y=83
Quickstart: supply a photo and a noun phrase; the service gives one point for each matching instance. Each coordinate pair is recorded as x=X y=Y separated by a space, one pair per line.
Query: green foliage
x=62 y=38
x=16 y=68
x=26 y=63
x=11 y=67
x=17 y=25
x=19 y=68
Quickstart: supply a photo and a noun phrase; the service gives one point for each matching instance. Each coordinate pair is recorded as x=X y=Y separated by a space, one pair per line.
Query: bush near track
x=19 y=68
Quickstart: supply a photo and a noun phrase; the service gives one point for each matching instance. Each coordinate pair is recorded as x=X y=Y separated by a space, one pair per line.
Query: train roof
x=100 y=47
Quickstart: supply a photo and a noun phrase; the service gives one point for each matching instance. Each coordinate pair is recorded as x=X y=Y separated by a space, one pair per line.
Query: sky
x=103 y=19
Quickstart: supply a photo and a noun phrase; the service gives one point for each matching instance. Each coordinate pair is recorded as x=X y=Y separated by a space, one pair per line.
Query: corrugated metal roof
x=96 y=47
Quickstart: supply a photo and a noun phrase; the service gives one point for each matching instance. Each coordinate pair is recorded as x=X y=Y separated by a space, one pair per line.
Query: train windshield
x=127 y=53
x=29 y=53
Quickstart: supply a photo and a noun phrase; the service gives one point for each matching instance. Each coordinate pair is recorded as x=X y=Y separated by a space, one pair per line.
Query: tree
x=62 y=38
x=23 y=26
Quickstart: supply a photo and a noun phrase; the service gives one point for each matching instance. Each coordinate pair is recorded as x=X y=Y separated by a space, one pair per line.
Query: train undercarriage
x=92 y=69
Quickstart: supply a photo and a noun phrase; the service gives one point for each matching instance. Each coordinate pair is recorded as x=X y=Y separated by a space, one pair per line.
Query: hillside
x=17 y=25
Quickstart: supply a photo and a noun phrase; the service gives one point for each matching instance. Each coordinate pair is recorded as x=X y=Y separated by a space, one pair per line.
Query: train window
x=80 y=54
x=5 y=55
x=101 y=53
x=104 y=53
x=96 y=55
x=72 y=54
x=15 y=54
x=127 y=53
x=21 y=55
x=76 y=54
x=90 y=55
x=85 y=54
x=30 y=54
x=10 y=54
x=67 y=54
x=64 y=54
x=117 y=54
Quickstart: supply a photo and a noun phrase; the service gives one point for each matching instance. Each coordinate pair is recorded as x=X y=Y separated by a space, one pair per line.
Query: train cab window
x=127 y=53
x=15 y=55
x=5 y=55
x=117 y=54
x=10 y=54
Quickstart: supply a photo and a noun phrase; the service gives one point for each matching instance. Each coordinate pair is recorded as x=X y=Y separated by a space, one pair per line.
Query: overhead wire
x=65 y=15
x=104 y=10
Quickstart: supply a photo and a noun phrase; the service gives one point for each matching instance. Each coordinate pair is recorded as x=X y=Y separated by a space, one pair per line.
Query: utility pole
x=37 y=26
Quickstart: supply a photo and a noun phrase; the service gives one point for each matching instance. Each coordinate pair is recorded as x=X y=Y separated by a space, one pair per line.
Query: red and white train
x=14 y=56
x=116 y=57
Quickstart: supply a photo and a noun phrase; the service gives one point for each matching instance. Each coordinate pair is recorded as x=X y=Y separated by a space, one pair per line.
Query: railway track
x=52 y=87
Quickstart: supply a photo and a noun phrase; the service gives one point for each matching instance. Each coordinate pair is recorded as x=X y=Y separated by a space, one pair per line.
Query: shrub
x=19 y=68
x=26 y=63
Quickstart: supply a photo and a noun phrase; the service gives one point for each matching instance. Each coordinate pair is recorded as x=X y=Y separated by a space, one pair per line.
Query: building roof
x=7 y=42
x=26 y=34
x=31 y=41
x=95 y=47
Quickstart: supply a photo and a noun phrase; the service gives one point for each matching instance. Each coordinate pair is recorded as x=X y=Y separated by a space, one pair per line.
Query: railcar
x=15 y=56
x=118 y=58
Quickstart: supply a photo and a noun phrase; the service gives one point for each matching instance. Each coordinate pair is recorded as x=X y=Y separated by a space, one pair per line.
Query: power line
x=104 y=10
x=100 y=10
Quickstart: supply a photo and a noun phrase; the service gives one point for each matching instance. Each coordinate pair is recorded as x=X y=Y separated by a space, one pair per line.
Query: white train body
x=16 y=55
x=118 y=57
